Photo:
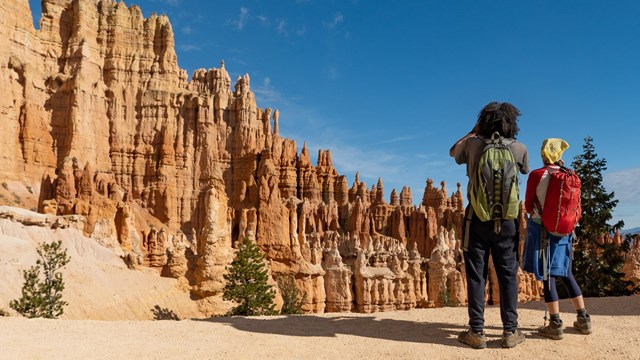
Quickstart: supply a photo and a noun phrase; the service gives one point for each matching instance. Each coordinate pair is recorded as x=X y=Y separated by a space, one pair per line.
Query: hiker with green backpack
x=493 y=159
x=553 y=201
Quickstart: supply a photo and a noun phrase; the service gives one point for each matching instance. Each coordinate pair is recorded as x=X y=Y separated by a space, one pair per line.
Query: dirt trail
x=415 y=334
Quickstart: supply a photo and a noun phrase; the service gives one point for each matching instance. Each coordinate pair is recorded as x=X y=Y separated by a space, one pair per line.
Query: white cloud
x=266 y=94
x=301 y=31
x=242 y=19
x=284 y=29
x=353 y=152
x=337 y=19
x=263 y=20
x=399 y=139
x=371 y=165
x=239 y=61
x=186 y=29
x=625 y=185
x=629 y=213
x=281 y=28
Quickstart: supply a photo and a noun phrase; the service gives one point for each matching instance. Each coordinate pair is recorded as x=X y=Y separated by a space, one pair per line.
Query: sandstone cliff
x=99 y=120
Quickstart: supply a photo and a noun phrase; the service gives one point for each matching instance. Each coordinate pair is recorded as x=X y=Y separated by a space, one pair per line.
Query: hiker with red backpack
x=493 y=158
x=553 y=201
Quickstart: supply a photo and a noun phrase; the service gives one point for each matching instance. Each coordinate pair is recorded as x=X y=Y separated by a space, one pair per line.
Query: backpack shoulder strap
x=467 y=229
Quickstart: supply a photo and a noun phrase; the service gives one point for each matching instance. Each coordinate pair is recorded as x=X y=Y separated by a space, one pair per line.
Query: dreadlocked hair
x=498 y=117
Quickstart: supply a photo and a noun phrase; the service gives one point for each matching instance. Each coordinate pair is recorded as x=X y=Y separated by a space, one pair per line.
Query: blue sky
x=388 y=86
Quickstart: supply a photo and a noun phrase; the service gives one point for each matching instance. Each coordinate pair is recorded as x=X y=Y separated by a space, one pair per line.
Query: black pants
x=504 y=247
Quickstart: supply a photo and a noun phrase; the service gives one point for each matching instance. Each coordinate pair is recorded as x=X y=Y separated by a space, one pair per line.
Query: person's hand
x=471 y=133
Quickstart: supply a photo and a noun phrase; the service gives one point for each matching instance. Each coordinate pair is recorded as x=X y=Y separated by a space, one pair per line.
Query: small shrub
x=290 y=295
x=247 y=282
x=42 y=295
x=445 y=298
x=3 y=312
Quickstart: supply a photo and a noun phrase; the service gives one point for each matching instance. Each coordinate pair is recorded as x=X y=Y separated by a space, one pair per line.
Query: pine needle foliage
x=292 y=301
x=444 y=298
x=247 y=282
x=597 y=266
x=42 y=292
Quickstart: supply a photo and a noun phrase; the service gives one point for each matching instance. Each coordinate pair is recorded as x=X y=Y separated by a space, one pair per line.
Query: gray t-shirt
x=470 y=150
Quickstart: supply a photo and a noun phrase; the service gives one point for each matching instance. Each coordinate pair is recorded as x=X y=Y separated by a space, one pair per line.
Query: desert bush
x=292 y=301
x=444 y=298
x=42 y=293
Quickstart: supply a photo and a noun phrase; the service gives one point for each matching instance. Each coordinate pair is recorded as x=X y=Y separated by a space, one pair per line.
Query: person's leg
x=583 y=320
x=578 y=303
x=575 y=294
x=553 y=307
x=554 y=330
x=504 y=248
x=476 y=262
x=551 y=295
x=505 y=259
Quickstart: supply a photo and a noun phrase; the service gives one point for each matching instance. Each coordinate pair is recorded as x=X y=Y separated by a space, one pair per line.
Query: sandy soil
x=98 y=285
x=423 y=333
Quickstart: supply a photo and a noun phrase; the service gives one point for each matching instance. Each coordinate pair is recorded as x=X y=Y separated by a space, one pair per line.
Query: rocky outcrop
x=171 y=173
x=631 y=266
x=337 y=281
x=447 y=283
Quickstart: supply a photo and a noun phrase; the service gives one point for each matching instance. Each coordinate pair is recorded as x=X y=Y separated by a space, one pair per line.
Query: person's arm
x=525 y=161
x=470 y=134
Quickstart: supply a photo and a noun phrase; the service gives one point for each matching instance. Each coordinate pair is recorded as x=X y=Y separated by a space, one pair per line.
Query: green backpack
x=495 y=194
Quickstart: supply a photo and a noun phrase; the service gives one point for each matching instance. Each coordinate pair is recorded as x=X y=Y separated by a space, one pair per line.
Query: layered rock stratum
x=169 y=173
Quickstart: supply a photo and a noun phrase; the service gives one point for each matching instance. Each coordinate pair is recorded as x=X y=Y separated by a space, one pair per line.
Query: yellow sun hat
x=552 y=150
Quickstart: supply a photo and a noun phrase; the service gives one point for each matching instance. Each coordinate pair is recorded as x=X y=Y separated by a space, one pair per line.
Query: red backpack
x=562 y=209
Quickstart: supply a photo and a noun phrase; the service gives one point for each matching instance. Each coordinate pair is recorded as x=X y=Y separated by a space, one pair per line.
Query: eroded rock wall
x=171 y=173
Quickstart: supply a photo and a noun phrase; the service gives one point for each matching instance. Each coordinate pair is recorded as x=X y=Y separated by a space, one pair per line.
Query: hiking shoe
x=583 y=324
x=552 y=331
x=512 y=338
x=473 y=339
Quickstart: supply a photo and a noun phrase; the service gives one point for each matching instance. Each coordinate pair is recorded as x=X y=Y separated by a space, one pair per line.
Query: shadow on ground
x=364 y=326
x=609 y=306
x=414 y=331
x=160 y=313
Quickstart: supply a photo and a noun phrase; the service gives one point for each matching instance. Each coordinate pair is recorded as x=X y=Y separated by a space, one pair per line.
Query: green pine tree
x=42 y=295
x=292 y=301
x=247 y=282
x=597 y=267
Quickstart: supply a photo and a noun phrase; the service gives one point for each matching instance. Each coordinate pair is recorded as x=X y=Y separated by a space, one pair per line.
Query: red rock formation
x=173 y=162
x=631 y=266
x=337 y=281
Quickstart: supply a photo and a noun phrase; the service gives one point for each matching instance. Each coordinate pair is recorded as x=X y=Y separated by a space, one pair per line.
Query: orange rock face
x=631 y=266
x=172 y=173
